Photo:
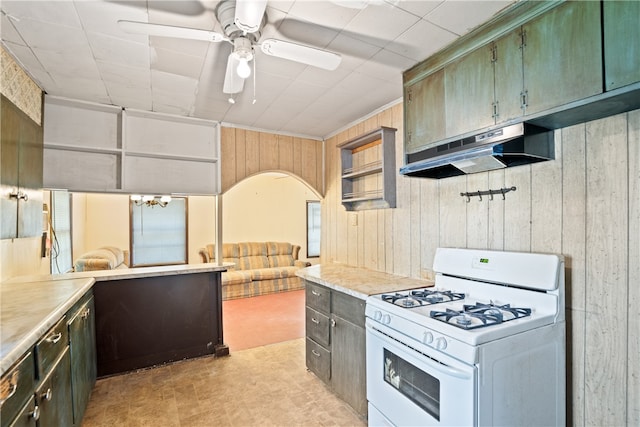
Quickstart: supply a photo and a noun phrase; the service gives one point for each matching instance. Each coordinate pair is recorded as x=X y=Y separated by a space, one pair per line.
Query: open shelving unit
x=367 y=170
x=102 y=148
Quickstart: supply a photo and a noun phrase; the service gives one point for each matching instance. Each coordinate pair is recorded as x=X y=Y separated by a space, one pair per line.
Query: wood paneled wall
x=246 y=152
x=585 y=205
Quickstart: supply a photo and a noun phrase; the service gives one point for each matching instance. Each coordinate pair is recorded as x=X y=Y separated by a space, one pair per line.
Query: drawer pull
x=316 y=293
x=9 y=390
x=315 y=353
x=46 y=395
x=314 y=320
x=86 y=313
x=35 y=414
x=53 y=339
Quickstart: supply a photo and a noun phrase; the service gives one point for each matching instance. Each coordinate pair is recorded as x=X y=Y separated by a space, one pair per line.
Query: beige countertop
x=127 y=273
x=359 y=282
x=28 y=310
x=30 y=305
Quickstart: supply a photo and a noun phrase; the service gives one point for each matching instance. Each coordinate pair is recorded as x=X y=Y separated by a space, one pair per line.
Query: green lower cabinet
x=53 y=395
x=82 y=343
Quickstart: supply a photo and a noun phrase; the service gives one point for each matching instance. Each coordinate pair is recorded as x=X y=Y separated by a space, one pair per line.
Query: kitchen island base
x=148 y=321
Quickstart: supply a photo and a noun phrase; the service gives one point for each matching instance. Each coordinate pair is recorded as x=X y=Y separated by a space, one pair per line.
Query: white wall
x=267 y=207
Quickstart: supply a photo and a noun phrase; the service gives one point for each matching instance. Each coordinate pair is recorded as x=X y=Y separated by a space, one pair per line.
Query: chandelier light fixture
x=150 y=201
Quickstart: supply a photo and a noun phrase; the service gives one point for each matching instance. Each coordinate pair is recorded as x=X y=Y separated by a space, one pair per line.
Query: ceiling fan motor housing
x=226 y=12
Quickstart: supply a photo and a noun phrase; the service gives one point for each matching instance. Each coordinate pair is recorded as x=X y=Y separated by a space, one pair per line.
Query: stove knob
x=377 y=315
x=428 y=337
x=441 y=343
x=386 y=319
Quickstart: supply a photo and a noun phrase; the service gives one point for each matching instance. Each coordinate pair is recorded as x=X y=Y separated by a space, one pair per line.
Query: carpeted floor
x=267 y=319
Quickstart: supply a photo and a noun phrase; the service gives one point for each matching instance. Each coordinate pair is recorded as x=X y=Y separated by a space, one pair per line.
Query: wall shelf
x=367 y=170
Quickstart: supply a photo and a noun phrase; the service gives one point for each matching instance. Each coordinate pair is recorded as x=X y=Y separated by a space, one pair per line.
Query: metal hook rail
x=490 y=193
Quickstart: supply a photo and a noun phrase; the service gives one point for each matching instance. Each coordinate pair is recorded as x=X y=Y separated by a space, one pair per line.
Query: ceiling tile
x=119 y=51
x=432 y=39
x=378 y=24
x=462 y=16
x=174 y=62
x=58 y=12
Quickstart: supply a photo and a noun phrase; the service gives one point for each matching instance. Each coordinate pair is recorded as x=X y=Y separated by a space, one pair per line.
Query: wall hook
x=490 y=193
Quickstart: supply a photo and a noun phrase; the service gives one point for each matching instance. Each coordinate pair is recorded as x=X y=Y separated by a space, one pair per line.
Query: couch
x=260 y=268
x=104 y=258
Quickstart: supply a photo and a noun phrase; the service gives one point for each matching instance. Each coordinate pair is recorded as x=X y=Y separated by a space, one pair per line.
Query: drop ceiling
x=75 y=49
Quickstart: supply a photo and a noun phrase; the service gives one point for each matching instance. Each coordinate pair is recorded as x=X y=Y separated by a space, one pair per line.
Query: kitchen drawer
x=318 y=297
x=28 y=415
x=51 y=346
x=53 y=396
x=318 y=360
x=16 y=386
x=348 y=307
x=317 y=326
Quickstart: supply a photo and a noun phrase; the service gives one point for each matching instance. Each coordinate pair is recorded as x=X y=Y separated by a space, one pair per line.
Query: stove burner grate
x=422 y=297
x=480 y=315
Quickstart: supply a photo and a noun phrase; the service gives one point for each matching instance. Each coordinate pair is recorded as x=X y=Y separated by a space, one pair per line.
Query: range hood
x=513 y=145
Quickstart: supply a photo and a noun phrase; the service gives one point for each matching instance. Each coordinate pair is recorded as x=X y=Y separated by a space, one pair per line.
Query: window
x=158 y=234
x=60 y=223
x=313 y=229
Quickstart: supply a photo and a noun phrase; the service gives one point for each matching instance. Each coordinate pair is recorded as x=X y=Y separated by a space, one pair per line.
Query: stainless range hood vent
x=512 y=145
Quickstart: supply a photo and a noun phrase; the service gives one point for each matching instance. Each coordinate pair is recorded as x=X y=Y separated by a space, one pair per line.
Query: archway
x=268 y=206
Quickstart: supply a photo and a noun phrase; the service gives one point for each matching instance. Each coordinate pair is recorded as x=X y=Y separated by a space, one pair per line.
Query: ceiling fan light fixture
x=243 y=70
x=249 y=14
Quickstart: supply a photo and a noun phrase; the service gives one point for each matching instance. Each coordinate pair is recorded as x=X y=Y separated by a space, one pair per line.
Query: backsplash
x=18 y=87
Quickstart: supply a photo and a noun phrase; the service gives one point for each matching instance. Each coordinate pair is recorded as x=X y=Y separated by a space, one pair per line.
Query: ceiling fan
x=242 y=22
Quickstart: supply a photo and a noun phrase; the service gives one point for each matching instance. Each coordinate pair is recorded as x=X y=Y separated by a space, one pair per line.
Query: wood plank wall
x=585 y=205
x=246 y=152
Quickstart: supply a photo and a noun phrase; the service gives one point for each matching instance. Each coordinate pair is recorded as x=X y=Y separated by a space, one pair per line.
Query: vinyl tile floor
x=266 y=385
x=262 y=386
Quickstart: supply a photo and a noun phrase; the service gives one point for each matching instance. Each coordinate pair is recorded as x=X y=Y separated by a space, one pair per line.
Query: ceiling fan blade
x=233 y=83
x=300 y=53
x=249 y=14
x=149 y=29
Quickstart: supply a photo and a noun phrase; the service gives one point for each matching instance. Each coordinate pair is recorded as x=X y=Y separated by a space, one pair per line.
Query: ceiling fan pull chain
x=254 y=79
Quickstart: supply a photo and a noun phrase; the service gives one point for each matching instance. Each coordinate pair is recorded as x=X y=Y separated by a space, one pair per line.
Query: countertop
x=359 y=282
x=127 y=273
x=30 y=305
x=28 y=310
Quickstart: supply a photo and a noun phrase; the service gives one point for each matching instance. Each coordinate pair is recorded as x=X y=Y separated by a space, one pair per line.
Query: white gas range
x=484 y=346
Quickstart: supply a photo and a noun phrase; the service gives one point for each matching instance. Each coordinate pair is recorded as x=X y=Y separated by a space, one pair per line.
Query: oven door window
x=415 y=384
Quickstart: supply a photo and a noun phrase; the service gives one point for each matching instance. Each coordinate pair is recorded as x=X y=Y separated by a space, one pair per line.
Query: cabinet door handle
x=315 y=293
x=333 y=323
x=35 y=414
x=53 y=339
x=47 y=395
x=314 y=320
x=315 y=353
x=86 y=313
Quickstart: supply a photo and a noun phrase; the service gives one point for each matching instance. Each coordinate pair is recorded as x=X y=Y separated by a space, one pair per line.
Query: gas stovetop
x=479 y=296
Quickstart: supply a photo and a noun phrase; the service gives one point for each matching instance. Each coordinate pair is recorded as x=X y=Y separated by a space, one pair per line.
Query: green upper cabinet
x=621 y=21
x=562 y=56
x=509 y=76
x=469 y=92
x=424 y=111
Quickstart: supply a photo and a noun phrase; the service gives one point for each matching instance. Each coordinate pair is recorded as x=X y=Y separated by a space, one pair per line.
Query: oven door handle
x=433 y=363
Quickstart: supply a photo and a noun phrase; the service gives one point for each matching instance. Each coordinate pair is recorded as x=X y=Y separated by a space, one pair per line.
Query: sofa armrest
x=302 y=264
x=204 y=255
